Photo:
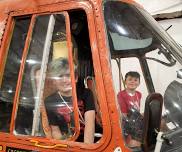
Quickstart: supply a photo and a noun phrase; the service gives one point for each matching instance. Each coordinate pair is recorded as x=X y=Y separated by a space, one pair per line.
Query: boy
x=59 y=106
x=129 y=102
x=130 y=97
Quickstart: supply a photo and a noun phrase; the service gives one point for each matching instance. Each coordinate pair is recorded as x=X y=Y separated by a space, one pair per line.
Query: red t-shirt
x=126 y=101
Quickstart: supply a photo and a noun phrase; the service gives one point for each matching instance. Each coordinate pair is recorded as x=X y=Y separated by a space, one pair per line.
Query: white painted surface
x=161 y=6
x=176 y=30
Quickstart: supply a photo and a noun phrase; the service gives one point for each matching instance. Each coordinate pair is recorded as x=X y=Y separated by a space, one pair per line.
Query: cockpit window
x=130 y=29
x=48 y=84
x=11 y=70
x=126 y=28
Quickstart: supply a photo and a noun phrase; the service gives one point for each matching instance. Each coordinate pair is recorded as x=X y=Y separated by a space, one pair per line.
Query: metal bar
x=46 y=50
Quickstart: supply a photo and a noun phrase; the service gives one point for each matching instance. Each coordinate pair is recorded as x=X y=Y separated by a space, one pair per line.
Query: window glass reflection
x=10 y=76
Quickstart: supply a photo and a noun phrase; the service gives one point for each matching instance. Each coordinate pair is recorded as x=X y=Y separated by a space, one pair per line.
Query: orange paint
x=112 y=137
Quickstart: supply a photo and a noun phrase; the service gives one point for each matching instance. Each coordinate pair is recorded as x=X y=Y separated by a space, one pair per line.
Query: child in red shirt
x=130 y=98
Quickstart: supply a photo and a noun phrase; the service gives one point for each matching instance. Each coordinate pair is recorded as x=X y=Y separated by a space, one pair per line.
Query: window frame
x=40 y=87
x=87 y=7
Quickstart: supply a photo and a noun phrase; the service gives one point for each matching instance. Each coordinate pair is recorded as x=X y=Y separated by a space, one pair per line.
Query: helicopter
x=103 y=40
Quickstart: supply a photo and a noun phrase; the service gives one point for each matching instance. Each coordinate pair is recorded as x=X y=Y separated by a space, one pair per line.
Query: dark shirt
x=60 y=113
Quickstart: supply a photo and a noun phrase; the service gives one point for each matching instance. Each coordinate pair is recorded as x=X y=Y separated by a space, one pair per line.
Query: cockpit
x=137 y=44
x=132 y=42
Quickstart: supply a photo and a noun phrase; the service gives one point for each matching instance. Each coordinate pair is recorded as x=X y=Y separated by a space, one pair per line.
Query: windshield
x=144 y=60
x=130 y=28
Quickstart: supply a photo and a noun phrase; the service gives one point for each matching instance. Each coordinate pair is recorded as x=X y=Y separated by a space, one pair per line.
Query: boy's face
x=132 y=82
x=63 y=83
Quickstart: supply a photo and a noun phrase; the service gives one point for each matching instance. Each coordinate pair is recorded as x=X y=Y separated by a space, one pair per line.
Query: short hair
x=58 y=67
x=132 y=74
